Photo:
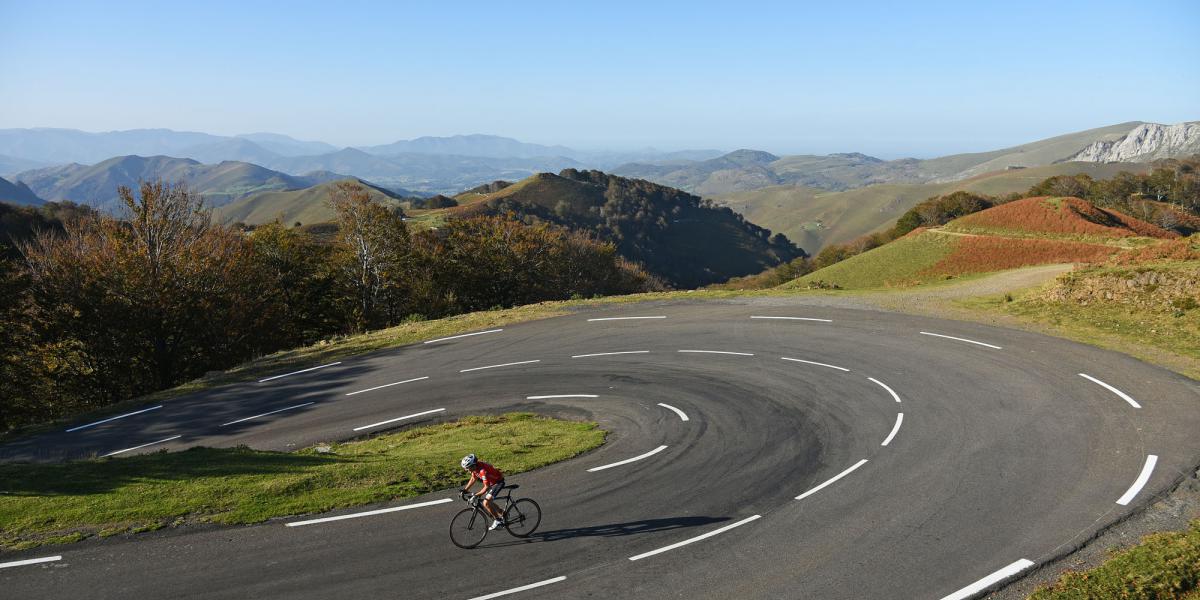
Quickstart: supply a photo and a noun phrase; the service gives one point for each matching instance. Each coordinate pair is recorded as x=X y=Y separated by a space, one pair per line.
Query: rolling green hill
x=673 y=234
x=307 y=206
x=220 y=184
x=816 y=218
x=1026 y=232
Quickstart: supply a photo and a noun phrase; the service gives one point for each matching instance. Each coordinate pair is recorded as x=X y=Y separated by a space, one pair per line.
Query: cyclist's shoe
x=496 y=523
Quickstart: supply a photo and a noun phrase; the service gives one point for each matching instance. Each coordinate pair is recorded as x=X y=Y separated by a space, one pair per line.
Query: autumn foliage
x=99 y=309
x=1174 y=250
x=980 y=254
x=1063 y=216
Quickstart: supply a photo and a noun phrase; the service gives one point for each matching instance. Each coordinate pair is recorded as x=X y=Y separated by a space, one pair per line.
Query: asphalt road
x=1005 y=457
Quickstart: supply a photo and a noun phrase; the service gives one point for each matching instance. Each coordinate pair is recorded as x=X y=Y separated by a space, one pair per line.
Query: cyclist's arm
x=467 y=488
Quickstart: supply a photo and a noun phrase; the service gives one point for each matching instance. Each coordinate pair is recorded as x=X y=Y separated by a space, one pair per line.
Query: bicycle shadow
x=616 y=529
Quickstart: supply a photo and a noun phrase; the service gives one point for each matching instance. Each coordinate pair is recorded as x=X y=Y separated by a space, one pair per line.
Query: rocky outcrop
x=1168 y=290
x=1149 y=141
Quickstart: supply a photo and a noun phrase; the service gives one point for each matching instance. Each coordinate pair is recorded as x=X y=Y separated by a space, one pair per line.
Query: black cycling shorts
x=494 y=489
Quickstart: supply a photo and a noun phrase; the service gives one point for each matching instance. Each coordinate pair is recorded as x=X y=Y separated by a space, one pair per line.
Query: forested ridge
x=680 y=237
x=98 y=309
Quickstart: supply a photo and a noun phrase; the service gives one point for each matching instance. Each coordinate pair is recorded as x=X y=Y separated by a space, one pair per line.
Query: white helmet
x=468 y=461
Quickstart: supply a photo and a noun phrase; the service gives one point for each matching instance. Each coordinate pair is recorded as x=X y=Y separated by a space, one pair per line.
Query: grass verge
x=1162 y=566
x=1119 y=308
x=901 y=263
x=48 y=504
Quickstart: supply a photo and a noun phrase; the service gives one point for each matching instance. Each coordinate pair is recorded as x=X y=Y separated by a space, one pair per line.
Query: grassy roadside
x=1162 y=566
x=61 y=503
x=1150 y=312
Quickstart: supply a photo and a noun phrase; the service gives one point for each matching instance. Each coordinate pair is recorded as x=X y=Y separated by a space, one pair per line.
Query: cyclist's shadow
x=618 y=529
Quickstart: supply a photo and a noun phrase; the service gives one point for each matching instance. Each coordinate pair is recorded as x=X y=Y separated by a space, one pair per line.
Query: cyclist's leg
x=489 y=502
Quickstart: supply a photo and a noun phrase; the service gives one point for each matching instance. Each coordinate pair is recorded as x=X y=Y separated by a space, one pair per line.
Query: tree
x=296 y=286
x=26 y=387
x=371 y=252
x=1160 y=183
x=1063 y=185
x=483 y=262
x=152 y=300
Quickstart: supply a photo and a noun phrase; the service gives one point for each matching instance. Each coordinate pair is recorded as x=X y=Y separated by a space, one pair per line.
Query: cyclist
x=493 y=482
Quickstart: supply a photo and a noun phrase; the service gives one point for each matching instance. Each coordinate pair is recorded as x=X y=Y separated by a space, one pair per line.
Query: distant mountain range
x=17 y=193
x=11 y=165
x=489 y=146
x=797 y=195
x=429 y=164
x=822 y=200
x=746 y=170
x=96 y=185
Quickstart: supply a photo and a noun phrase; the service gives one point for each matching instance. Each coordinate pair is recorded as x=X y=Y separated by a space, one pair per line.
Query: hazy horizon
x=919 y=81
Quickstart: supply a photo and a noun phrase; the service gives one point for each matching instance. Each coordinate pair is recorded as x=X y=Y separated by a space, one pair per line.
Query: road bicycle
x=521 y=518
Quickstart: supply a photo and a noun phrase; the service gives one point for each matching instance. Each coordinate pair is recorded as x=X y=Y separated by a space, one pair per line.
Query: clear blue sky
x=887 y=78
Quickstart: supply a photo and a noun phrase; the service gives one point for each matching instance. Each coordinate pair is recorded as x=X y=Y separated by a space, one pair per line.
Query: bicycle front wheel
x=523 y=517
x=468 y=528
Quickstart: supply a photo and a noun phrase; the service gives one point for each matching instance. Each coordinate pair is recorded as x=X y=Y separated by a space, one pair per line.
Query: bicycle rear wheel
x=522 y=517
x=468 y=528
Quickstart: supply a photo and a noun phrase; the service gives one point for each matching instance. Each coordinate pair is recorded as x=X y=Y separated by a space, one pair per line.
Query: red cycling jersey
x=489 y=474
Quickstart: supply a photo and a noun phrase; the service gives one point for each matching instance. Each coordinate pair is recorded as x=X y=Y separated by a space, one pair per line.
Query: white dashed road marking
x=136 y=412
x=715 y=352
x=950 y=337
x=695 y=539
x=612 y=353
x=795 y=319
x=1112 y=389
x=831 y=481
x=895 y=429
x=561 y=396
x=990 y=580
x=809 y=362
x=626 y=318
x=455 y=337
x=521 y=589
x=628 y=460
x=884 y=386
x=174 y=437
x=300 y=371
x=368 y=513
x=420 y=414
x=267 y=413
x=380 y=387
x=1140 y=482
x=682 y=415
x=31 y=561
x=523 y=362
